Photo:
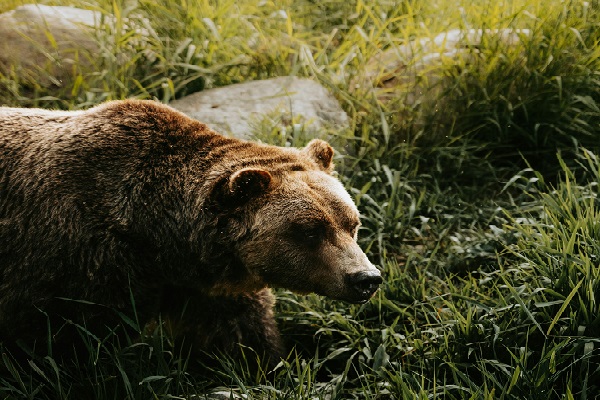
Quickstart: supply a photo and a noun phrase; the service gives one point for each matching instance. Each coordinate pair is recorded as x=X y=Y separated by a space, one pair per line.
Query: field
x=482 y=210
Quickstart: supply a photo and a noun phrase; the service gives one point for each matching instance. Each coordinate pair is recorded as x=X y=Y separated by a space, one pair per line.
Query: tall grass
x=487 y=239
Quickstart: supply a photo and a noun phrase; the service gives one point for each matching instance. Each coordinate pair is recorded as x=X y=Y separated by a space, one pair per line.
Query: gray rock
x=42 y=43
x=49 y=46
x=220 y=393
x=421 y=73
x=237 y=109
x=417 y=68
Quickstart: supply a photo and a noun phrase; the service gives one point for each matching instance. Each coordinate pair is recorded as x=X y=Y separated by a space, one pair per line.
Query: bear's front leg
x=224 y=324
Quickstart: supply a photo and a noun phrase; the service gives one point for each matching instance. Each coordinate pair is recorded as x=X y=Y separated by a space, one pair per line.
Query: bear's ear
x=248 y=182
x=320 y=152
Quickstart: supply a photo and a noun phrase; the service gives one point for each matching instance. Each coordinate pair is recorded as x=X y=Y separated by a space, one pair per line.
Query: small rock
x=220 y=393
x=235 y=109
x=416 y=68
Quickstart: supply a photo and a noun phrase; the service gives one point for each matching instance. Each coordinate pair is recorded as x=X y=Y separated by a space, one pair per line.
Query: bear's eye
x=309 y=233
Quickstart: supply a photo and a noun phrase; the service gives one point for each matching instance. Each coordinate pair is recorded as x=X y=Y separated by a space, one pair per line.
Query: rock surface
x=236 y=109
x=416 y=68
x=220 y=393
x=41 y=44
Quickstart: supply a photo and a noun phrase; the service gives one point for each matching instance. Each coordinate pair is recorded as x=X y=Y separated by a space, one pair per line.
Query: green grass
x=480 y=206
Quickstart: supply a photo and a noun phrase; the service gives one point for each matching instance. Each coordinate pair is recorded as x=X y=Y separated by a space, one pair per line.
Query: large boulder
x=238 y=109
x=42 y=44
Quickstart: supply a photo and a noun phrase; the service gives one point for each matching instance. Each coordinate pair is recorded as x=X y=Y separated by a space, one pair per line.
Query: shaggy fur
x=134 y=200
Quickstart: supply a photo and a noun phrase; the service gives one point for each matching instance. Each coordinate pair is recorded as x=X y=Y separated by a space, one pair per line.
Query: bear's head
x=303 y=229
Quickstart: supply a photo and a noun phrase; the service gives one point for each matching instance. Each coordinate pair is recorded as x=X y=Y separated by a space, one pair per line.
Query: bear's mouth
x=363 y=297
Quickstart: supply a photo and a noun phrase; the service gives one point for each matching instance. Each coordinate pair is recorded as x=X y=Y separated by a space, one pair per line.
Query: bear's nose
x=365 y=283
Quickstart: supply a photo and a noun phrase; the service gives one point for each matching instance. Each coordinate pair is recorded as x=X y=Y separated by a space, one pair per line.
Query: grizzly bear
x=132 y=208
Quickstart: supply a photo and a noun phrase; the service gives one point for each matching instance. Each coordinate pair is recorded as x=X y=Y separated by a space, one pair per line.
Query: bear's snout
x=364 y=284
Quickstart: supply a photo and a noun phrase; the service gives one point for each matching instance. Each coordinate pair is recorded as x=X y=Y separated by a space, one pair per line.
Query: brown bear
x=132 y=208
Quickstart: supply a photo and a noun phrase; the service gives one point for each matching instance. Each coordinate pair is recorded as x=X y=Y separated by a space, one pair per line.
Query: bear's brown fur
x=134 y=200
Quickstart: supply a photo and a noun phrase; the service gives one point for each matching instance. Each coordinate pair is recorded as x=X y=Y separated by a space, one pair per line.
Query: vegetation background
x=482 y=212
